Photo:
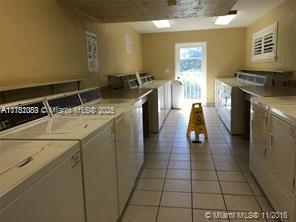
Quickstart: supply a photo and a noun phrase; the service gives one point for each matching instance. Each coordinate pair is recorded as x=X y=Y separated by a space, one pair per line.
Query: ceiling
x=248 y=12
x=147 y=10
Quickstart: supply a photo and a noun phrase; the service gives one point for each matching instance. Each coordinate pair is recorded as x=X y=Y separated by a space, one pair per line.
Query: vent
x=265 y=44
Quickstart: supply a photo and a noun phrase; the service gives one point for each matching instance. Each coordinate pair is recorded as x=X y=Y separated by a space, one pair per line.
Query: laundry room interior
x=147 y=111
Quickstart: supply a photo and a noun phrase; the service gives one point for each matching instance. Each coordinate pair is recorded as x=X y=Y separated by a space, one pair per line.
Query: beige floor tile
x=153 y=173
x=180 y=151
x=156 y=164
x=178 y=174
x=220 y=151
x=205 y=186
x=223 y=158
x=181 y=144
x=202 y=165
x=181 y=140
x=150 y=184
x=229 y=166
x=204 y=151
x=241 y=203
x=175 y=199
x=209 y=216
x=159 y=156
x=174 y=215
x=219 y=146
x=236 y=188
x=204 y=175
x=182 y=165
x=184 y=157
x=208 y=201
x=165 y=150
x=231 y=176
x=177 y=185
x=150 y=198
x=201 y=157
x=140 y=213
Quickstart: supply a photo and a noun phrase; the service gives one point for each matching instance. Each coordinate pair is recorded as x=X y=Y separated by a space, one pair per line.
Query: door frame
x=204 y=63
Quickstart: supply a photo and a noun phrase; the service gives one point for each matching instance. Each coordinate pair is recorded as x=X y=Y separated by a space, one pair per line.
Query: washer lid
x=24 y=163
x=59 y=126
x=13 y=156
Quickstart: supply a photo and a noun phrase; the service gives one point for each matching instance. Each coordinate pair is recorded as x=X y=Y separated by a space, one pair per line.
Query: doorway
x=191 y=69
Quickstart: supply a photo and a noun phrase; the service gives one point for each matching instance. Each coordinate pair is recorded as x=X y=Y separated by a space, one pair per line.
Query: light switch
x=166 y=70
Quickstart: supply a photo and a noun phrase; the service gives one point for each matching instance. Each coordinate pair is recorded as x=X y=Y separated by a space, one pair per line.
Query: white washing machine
x=160 y=99
x=129 y=139
x=96 y=138
x=230 y=99
x=40 y=181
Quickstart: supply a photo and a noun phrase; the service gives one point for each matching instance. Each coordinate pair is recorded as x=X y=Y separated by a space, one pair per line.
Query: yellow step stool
x=197 y=122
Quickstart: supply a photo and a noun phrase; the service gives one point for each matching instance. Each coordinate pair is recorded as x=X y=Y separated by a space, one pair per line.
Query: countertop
x=154 y=84
x=260 y=91
x=109 y=92
x=288 y=112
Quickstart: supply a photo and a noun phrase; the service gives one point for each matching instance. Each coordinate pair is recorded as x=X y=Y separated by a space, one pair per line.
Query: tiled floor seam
x=163 y=186
x=219 y=182
x=192 y=211
x=249 y=186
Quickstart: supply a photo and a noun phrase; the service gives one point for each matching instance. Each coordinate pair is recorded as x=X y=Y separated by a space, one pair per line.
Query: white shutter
x=264 y=45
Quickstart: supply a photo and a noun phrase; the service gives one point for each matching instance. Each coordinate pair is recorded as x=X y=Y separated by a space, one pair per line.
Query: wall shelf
x=26 y=86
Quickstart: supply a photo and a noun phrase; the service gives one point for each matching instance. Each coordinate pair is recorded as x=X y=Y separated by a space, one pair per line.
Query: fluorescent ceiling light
x=161 y=24
x=225 y=20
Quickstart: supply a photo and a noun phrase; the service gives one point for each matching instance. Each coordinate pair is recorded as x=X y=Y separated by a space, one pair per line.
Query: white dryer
x=96 y=138
x=40 y=181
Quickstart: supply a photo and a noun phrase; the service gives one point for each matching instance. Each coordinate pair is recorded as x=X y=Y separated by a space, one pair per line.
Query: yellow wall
x=42 y=41
x=225 y=53
x=285 y=14
x=114 y=59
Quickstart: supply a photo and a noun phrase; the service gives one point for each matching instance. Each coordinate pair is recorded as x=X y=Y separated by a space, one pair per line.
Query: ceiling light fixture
x=161 y=24
x=225 y=20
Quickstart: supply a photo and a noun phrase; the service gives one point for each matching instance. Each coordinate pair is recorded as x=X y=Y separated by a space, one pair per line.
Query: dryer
x=97 y=145
x=41 y=181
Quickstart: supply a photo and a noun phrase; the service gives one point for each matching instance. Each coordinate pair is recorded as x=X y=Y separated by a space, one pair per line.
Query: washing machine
x=161 y=101
x=128 y=122
x=41 y=181
x=95 y=136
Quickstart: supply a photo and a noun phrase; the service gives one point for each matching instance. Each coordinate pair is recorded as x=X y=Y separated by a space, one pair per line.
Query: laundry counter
x=109 y=92
x=269 y=91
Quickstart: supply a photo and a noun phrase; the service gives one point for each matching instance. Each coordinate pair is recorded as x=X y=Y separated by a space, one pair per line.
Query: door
x=191 y=70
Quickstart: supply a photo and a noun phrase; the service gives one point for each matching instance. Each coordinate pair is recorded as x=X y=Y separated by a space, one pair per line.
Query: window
x=264 y=45
x=191 y=59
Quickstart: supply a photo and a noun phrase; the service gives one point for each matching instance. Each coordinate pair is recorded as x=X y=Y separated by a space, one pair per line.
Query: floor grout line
x=163 y=186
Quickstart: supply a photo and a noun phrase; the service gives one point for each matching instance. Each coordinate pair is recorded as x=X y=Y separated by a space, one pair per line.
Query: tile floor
x=182 y=181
